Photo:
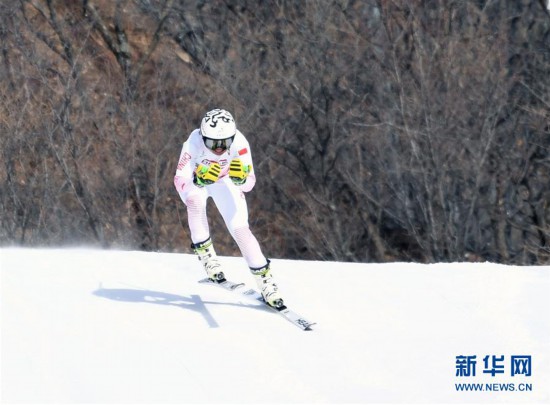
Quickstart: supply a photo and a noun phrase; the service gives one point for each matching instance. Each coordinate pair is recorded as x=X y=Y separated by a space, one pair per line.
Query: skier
x=215 y=161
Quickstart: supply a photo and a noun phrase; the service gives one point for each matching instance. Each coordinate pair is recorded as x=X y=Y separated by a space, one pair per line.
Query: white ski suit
x=228 y=197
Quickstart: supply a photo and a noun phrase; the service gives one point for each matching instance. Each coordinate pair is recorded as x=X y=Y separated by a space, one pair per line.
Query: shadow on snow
x=193 y=302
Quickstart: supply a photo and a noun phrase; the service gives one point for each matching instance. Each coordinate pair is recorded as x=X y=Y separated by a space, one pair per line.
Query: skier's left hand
x=238 y=172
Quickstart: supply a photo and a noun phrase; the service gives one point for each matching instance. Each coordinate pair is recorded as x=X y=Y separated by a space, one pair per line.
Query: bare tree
x=381 y=130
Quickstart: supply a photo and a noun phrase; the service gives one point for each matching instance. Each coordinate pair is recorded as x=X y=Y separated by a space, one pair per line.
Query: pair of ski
x=284 y=311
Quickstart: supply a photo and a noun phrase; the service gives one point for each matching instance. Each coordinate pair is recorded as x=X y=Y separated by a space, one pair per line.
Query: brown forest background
x=381 y=129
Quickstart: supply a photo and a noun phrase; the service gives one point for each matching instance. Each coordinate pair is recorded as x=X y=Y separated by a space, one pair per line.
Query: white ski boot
x=266 y=285
x=209 y=259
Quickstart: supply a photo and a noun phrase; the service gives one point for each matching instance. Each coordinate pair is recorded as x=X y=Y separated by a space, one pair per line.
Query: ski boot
x=266 y=285
x=209 y=259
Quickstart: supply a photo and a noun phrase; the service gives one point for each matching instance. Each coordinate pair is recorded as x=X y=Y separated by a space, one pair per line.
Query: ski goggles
x=214 y=144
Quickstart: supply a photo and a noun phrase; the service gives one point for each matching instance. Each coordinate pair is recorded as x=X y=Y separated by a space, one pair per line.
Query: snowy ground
x=90 y=326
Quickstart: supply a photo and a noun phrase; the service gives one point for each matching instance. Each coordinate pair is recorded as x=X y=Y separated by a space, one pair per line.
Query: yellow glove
x=238 y=172
x=205 y=175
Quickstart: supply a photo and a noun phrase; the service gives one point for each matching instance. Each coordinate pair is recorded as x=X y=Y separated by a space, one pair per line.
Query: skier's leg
x=249 y=246
x=200 y=233
x=231 y=203
x=196 y=214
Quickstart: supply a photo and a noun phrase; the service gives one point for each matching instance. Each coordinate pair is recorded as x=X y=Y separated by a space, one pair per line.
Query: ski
x=284 y=311
x=226 y=284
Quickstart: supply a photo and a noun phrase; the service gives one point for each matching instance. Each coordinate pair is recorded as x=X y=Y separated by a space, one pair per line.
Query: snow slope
x=92 y=326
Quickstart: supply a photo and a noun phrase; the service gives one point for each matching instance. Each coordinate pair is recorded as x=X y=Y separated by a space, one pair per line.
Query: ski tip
x=305 y=325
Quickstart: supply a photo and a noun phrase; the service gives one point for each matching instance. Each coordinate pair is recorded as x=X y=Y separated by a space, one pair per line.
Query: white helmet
x=218 y=124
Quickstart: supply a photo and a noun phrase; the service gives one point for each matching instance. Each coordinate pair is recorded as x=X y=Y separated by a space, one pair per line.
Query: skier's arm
x=241 y=167
x=183 y=179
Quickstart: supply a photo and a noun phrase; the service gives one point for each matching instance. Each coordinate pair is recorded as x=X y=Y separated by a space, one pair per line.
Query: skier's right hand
x=205 y=175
